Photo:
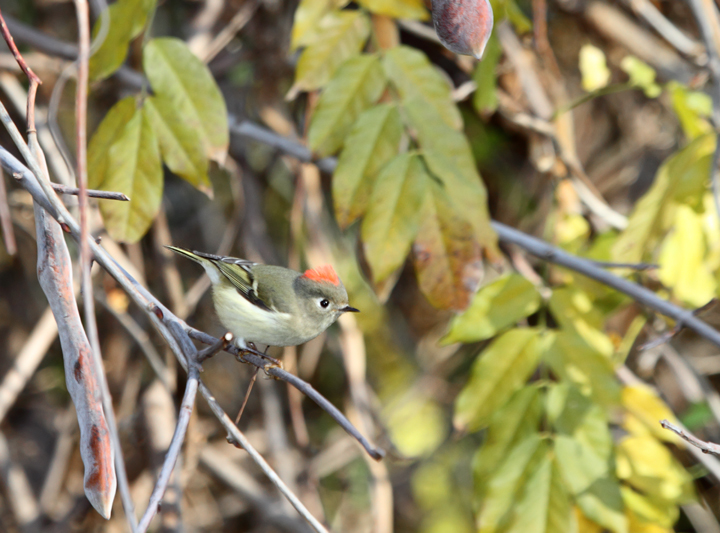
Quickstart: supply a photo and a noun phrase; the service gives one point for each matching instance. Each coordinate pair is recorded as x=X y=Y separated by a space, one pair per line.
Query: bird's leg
x=264 y=355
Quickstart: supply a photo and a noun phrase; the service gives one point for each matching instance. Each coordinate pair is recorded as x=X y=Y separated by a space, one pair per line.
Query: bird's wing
x=238 y=272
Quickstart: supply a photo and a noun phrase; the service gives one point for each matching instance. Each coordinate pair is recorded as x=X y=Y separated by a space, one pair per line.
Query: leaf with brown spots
x=447 y=255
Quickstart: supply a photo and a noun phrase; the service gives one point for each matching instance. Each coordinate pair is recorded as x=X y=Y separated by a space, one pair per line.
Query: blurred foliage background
x=511 y=395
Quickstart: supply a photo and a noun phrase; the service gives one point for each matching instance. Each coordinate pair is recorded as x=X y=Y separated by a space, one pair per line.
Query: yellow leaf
x=648 y=409
x=401 y=9
x=681 y=260
x=593 y=68
x=417 y=427
x=307 y=16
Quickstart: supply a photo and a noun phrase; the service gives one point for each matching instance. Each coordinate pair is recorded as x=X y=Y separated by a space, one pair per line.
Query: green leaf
x=641 y=75
x=544 y=505
x=507 y=482
x=514 y=422
x=415 y=78
x=573 y=360
x=127 y=18
x=180 y=145
x=485 y=98
x=110 y=129
x=356 y=85
x=393 y=217
x=449 y=158
x=399 y=9
x=584 y=451
x=574 y=310
x=682 y=178
x=341 y=35
x=134 y=169
x=495 y=307
x=682 y=256
x=307 y=16
x=501 y=369
x=446 y=253
x=373 y=141
x=691 y=108
x=186 y=84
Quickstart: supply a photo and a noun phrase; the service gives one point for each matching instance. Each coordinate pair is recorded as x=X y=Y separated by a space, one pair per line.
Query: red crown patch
x=323 y=273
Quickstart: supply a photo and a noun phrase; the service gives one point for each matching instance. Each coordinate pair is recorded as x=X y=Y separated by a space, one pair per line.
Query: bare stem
x=705 y=447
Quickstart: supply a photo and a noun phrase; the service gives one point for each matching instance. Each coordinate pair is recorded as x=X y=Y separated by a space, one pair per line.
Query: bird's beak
x=348 y=309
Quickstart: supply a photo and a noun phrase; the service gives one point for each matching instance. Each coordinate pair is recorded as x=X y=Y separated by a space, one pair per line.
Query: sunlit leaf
x=307 y=16
x=446 y=254
x=573 y=360
x=415 y=78
x=647 y=409
x=518 y=419
x=495 y=307
x=110 y=129
x=187 y=85
x=692 y=108
x=593 y=68
x=134 y=168
x=180 y=145
x=649 y=467
x=401 y=9
x=583 y=450
x=393 y=216
x=682 y=178
x=126 y=19
x=485 y=76
x=681 y=260
x=574 y=309
x=544 y=505
x=641 y=75
x=340 y=36
x=648 y=515
x=356 y=85
x=373 y=141
x=508 y=481
x=501 y=369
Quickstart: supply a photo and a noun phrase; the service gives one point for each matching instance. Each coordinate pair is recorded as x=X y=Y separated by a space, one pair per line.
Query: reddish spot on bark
x=65 y=227
x=100 y=476
x=158 y=312
x=78 y=370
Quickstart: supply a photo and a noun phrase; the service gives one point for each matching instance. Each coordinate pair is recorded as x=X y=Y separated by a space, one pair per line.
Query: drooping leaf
x=400 y=9
x=307 y=16
x=501 y=369
x=373 y=141
x=576 y=362
x=514 y=422
x=134 y=168
x=340 y=36
x=583 y=450
x=544 y=503
x=446 y=253
x=181 y=146
x=682 y=178
x=356 y=85
x=393 y=217
x=574 y=310
x=187 y=85
x=485 y=98
x=449 y=158
x=415 y=78
x=495 y=307
x=125 y=19
x=508 y=481
x=682 y=266
x=107 y=133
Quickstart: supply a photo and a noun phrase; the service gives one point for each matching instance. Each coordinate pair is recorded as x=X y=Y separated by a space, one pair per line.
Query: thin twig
x=92 y=193
x=247 y=395
x=705 y=447
x=6 y=219
x=222 y=343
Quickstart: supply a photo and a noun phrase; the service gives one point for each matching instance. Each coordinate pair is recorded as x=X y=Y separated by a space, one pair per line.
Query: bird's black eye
x=324 y=304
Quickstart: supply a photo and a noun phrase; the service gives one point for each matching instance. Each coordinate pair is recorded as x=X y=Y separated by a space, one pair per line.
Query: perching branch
x=92 y=193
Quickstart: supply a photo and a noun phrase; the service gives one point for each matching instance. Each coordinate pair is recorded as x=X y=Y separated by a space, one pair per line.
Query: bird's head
x=322 y=296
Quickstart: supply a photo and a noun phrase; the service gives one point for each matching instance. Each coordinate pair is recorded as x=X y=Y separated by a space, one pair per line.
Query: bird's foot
x=252 y=349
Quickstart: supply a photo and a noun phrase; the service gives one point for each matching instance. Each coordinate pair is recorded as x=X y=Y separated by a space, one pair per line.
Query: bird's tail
x=206 y=260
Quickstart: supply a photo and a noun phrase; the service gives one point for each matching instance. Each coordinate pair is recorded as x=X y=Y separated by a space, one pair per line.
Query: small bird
x=272 y=305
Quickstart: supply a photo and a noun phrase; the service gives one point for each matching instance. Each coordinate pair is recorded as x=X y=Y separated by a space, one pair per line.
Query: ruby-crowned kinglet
x=272 y=305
